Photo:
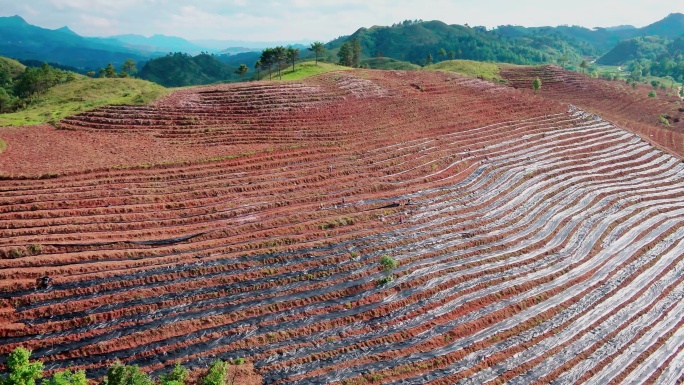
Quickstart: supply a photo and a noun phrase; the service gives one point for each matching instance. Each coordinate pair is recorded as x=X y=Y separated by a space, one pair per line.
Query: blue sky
x=279 y=20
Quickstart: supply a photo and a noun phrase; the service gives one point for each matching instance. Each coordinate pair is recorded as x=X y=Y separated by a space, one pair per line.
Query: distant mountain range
x=21 y=40
x=409 y=41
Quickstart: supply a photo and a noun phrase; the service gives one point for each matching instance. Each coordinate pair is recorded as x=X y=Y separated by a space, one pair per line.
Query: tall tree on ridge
x=267 y=60
x=318 y=49
x=293 y=56
x=356 y=52
x=346 y=55
x=280 y=55
x=242 y=70
x=257 y=67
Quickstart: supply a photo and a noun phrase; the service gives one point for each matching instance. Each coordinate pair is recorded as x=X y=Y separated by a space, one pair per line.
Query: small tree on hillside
x=216 y=374
x=452 y=55
x=177 y=376
x=442 y=53
x=5 y=100
x=21 y=371
x=356 y=53
x=110 y=72
x=242 y=70
x=584 y=65
x=536 y=85
x=652 y=94
x=128 y=67
x=318 y=49
x=655 y=84
x=67 y=377
x=120 y=374
x=257 y=67
x=292 y=56
x=388 y=264
x=428 y=59
x=346 y=55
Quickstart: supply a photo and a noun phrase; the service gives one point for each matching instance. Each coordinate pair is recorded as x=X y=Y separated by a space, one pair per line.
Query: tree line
x=20 y=371
x=279 y=56
x=127 y=69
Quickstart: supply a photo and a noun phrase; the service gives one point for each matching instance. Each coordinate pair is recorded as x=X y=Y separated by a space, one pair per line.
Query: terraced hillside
x=536 y=242
x=615 y=101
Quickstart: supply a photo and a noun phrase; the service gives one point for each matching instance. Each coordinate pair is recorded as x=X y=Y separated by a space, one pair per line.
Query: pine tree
x=280 y=55
x=318 y=49
x=428 y=59
x=356 y=53
x=346 y=55
x=292 y=56
x=128 y=67
x=257 y=67
x=242 y=70
x=109 y=71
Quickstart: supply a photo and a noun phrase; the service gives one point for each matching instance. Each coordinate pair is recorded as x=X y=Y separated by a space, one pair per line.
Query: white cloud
x=318 y=19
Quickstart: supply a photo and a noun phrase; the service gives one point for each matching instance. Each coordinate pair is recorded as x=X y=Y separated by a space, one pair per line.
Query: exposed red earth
x=615 y=101
x=537 y=241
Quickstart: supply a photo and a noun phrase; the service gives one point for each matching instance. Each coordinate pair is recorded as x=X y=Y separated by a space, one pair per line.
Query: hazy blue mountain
x=160 y=43
x=620 y=28
x=22 y=40
x=228 y=45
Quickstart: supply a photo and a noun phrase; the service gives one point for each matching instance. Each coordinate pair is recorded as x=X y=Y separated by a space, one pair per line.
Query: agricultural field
x=396 y=227
x=658 y=119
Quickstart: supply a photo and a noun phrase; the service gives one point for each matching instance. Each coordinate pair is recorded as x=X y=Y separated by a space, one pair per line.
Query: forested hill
x=602 y=39
x=647 y=47
x=413 y=41
x=179 y=69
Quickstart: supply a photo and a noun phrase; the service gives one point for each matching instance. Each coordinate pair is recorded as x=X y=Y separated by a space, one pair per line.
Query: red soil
x=282 y=197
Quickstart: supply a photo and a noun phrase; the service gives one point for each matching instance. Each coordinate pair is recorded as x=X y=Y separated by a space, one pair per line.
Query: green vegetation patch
x=304 y=70
x=488 y=71
x=3 y=146
x=81 y=95
x=385 y=63
x=11 y=67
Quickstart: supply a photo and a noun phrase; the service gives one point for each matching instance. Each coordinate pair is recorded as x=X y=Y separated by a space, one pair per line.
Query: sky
x=324 y=20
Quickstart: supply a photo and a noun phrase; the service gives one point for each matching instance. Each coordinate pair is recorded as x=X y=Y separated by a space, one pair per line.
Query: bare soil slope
x=536 y=242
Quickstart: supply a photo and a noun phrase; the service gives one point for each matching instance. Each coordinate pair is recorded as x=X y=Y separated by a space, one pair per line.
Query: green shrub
x=216 y=374
x=67 y=377
x=386 y=279
x=663 y=120
x=35 y=249
x=119 y=374
x=652 y=94
x=177 y=376
x=21 y=372
x=388 y=263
